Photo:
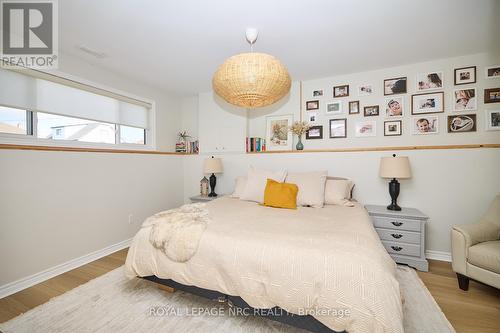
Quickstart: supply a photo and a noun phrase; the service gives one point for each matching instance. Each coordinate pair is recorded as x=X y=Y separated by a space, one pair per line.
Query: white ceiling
x=177 y=45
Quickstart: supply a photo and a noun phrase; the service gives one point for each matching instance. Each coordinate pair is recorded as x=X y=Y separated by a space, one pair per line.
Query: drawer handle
x=397 y=236
x=396 y=248
x=397 y=224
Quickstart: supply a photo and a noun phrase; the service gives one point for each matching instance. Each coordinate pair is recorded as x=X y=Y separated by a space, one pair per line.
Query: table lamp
x=212 y=165
x=395 y=168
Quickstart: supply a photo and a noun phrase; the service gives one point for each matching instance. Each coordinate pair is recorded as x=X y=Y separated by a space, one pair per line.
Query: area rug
x=111 y=303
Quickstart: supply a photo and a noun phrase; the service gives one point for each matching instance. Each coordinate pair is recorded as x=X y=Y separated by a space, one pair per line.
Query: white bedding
x=305 y=259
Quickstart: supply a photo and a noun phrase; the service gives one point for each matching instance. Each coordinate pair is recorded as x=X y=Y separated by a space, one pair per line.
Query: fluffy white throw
x=177 y=232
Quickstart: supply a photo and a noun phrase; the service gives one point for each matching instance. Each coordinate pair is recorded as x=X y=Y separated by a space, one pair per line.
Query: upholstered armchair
x=476 y=249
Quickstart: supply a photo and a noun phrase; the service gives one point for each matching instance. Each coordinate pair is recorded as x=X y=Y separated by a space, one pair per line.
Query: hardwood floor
x=477 y=310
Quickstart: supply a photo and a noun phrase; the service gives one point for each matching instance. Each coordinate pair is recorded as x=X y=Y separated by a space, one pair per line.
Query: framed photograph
x=353 y=107
x=462 y=123
x=338 y=128
x=278 y=137
x=465 y=75
x=317 y=93
x=312 y=105
x=365 y=90
x=372 y=110
x=393 y=128
x=365 y=128
x=395 y=86
x=314 y=132
x=492 y=95
x=341 y=91
x=429 y=81
x=334 y=108
x=427 y=103
x=425 y=125
x=493 y=120
x=464 y=99
x=394 y=106
x=493 y=72
x=312 y=117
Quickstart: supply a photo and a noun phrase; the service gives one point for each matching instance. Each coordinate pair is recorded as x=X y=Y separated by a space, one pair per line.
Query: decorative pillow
x=338 y=192
x=256 y=183
x=239 y=187
x=280 y=195
x=311 y=187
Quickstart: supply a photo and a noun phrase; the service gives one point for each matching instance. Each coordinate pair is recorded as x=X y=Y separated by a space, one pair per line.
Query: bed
x=309 y=261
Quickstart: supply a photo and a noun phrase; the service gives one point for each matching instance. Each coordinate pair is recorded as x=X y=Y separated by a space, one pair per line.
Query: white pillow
x=256 y=183
x=239 y=187
x=338 y=192
x=311 y=187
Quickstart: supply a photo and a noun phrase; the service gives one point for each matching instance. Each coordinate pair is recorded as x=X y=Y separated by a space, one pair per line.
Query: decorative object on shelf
x=493 y=72
x=341 y=91
x=334 y=108
x=394 y=106
x=299 y=128
x=427 y=103
x=251 y=80
x=338 y=128
x=278 y=137
x=212 y=166
x=314 y=132
x=204 y=187
x=371 y=110
x=395 y=167
x=464 y=99
x=393 y=128
x=353 y=107
x=184 y=145
x=425 y=125
x=492 y=95
x=312 y=105
x=429 y=81
x=492 y=120
x=462 y=123
x=465 y=75
x=256 y=145
x=395 y=86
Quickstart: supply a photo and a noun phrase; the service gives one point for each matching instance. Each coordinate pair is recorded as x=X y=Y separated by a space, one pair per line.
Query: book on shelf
x=188 y=147
x=255 y=144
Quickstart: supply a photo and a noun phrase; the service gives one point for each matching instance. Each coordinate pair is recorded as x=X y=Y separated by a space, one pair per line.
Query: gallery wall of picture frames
x=426 y=100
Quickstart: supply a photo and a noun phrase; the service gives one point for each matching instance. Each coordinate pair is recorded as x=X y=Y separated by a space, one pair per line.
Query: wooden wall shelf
x=88 y=150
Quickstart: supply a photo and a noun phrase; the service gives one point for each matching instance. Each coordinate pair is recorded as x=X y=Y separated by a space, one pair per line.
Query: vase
x=299 y=145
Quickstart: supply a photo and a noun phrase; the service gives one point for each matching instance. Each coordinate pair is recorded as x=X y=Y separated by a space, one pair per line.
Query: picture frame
x=430 y=81
x=465 y=75
x=334 y=108
x=464 y=99
x=365 y=89
x=317 y=93
x=393 y=128
x=314 y=133
x=365 y=129
x=394 y=106
x=425 y=125
x=426 y=103
x=312 y=117
x=492 y=95
x=312 y=105
x=278 y=137
x=462 y=123
x=371 y=110
x=353 y=107
x=338 y=128
x=395 y=86
x=493 y=120
x=492 y=72
x=341 y=91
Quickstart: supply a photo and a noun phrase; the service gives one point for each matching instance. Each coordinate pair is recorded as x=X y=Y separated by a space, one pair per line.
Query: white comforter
x=310 y=259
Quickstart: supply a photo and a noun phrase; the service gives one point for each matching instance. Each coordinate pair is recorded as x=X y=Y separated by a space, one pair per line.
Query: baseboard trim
x=26 y=282
x=438 y=255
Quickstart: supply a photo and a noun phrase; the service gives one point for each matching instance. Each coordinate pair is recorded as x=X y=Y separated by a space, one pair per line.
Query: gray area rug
x=111 y=303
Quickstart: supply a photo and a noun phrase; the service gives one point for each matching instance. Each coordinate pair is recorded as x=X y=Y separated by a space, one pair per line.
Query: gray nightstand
x=402 y=233
x=200 y=198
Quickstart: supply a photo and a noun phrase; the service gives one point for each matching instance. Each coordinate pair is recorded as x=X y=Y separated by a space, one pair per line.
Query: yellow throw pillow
x=280 y=195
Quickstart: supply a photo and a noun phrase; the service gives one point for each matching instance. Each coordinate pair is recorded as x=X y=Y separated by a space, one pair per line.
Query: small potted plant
x=299 y=128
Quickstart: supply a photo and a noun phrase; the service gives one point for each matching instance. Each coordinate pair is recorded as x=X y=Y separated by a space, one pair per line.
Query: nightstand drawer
x=402 y=248
x=396 y=223
x=399 y=235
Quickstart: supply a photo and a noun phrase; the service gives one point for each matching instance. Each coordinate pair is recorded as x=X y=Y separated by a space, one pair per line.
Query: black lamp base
x=213 y=182
x=394 y=192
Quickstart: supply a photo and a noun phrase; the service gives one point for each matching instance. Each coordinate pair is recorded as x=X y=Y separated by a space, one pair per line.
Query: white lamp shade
x=212 y=165
x=395 y=167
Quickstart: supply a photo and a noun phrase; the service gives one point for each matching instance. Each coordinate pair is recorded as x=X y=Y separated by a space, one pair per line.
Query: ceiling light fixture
x=251 y=80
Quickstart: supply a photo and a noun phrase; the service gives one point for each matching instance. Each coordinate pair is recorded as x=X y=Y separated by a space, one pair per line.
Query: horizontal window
x=132 y=135
x=13 y=121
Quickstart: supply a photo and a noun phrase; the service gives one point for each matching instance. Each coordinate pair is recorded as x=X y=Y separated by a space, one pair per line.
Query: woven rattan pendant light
x=251 y=80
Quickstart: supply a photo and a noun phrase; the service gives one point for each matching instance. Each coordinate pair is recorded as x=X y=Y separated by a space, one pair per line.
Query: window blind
x=27 y=90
